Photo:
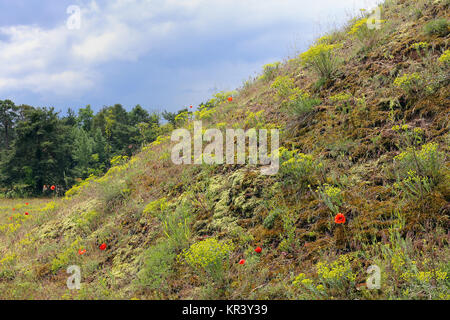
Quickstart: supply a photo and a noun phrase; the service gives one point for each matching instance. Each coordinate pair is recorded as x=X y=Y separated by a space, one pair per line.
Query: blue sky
x=160 y=54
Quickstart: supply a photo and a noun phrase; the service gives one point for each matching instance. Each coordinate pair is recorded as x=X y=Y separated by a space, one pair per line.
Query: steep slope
x=363 y=116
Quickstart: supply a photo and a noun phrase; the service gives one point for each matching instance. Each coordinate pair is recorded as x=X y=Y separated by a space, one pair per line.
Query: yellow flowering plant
x=332 y=279
x=331 y=196
x=297 y=168
x=323 y=59
x=343 y=100
x=208 y=256
x=363 y=33
x=283 y=85
x=409 y=83
x=445 y=58
x=269 y=71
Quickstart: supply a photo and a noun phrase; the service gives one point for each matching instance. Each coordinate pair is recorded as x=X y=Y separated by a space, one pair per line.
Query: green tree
x=83 y=147
x=8 y=116
x=41 y=153
x=85 y=118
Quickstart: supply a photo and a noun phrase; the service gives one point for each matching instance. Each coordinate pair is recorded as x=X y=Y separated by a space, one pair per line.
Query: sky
x=161 y=54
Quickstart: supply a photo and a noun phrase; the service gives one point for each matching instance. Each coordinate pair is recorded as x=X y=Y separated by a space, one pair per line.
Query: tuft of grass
x=302 y=106
x=323 y=59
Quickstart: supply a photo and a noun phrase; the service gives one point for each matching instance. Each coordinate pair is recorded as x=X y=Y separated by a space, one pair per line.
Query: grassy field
x=14 y=212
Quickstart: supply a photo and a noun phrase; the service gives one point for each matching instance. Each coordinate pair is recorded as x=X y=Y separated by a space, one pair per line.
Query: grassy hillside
x=364 y=122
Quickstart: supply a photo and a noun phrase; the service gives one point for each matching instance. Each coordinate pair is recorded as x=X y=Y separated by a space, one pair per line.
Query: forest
x=40 y=147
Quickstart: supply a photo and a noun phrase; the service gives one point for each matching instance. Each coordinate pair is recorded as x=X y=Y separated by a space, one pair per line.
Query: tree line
x=39 y=147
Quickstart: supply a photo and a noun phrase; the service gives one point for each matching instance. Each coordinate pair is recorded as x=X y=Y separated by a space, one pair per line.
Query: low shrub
x=157 y=262
x=270 y=70
x=302 y=106
x=209 y=257
x=438 y=27
x=411 y=84
x=323 y=59
x=333 y=279
x=298 y=169
x=445 y=58
x=331 y=196
x=284 y=85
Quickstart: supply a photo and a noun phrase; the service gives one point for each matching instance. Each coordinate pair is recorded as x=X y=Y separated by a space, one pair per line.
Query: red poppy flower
x=81 y=252
x=52 y=188
x=190 y=107
x=14 y=209
x=230 y=99
x=258 y=250
x=242 y=261
x=102 y=246
x=26 y=203
x=26 y=213
x=340 y=218
x=10 y=218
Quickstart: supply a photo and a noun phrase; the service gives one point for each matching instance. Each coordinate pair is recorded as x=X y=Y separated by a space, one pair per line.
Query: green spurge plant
x=445 y=58
x=334 y=279
x=343 y=100
x=363 y=33
x=331 y=196
x=323 y=59
x=283 y=86
x=297 y=168
x=269 y=71
x=410 y=83
x=208 y=256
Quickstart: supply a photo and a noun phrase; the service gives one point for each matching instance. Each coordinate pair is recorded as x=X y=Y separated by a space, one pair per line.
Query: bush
x=67 y=256
x=269 y=71
x=284 y=85
x=302 y=105
x=410 y=83
x=297 y=168
x=176 y=226
x=269 y=221
x=418 y=171
x=114 y=194
x=322 y=59
x=343 y=99
x=158 y=260
x=445 y=58
x=331 y=196
x=410 y=273
x=334 y=279
x=439 y=27
x=361 y=31
x=156 y=208
x=428 y=161
x=209 y=256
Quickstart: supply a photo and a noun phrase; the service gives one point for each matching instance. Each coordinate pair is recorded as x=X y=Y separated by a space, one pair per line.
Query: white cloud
x=67 y=62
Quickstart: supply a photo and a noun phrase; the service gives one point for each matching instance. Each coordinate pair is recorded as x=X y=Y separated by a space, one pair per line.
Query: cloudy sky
x=162 y=54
